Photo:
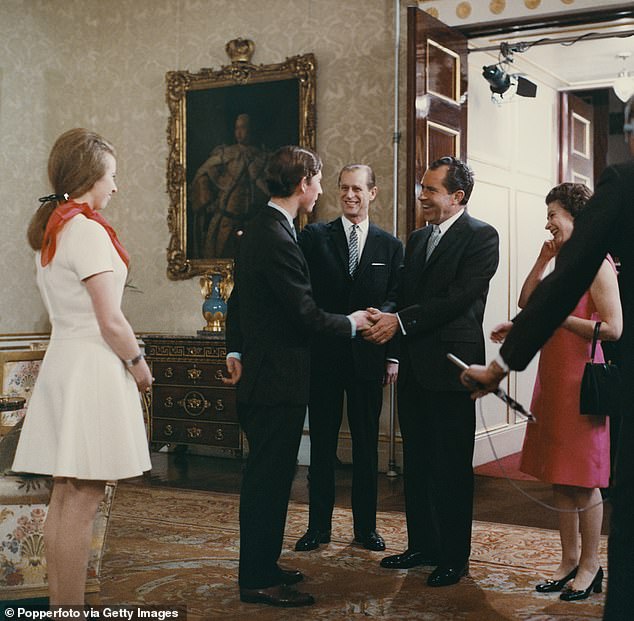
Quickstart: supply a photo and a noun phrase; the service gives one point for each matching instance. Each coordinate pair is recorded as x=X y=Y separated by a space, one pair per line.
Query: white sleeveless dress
x=84 y=418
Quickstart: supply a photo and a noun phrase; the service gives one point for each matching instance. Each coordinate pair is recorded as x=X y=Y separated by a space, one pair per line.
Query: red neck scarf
x=62 y=214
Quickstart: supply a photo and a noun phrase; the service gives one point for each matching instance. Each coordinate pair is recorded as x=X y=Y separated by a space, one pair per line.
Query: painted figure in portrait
x=225 y=191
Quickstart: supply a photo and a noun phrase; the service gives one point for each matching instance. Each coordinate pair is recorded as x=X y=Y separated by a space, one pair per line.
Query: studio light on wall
x=499 y=81
x=503 y=84
x=624 y=83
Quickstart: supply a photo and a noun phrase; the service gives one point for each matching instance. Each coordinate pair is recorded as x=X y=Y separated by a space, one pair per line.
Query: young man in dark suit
x=271 y=319
x=442 y=295
x=606 y=225
x=353 y=264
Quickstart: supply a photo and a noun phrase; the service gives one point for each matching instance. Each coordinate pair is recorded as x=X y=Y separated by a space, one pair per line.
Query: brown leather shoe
x=280 y=595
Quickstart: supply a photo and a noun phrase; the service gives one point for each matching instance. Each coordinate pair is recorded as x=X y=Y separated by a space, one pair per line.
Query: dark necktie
x=353 y=250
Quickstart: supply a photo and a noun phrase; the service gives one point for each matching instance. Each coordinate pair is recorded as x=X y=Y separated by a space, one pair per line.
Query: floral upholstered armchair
x=24 y=498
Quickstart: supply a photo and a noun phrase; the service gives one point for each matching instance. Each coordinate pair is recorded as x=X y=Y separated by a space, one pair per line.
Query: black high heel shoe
x=552 y=586
x=596 y=586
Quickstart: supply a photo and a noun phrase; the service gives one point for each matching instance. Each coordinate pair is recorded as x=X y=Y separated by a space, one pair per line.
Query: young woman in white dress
x=84 y=424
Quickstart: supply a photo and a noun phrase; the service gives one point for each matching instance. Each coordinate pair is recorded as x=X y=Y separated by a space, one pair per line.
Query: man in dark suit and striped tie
x=353 y=264
x=441 y=300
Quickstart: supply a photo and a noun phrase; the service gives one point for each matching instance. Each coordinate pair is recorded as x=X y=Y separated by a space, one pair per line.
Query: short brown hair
x=368 y=169
x=288 y=166
x=571 y=196
x=75 y=164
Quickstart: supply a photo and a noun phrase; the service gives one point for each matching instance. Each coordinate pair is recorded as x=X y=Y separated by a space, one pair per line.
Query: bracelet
x=133 y=361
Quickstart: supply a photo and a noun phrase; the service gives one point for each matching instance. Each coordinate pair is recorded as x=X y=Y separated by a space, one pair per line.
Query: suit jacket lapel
x=282 y=220
x=368 y=249
x=418 y=256
x=448 y=239
x=338 y=238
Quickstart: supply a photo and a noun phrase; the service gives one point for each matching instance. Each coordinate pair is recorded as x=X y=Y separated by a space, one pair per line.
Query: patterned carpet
x=176 y=547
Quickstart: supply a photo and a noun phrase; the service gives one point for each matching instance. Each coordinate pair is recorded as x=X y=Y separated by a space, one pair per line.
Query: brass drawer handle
x=219 y=375
x=219 y=435
x=169 y=402
x=194 y=374
x=194 y=403
x=220 y=406
x=169 y=372
x=194 y=432
x=168 y=430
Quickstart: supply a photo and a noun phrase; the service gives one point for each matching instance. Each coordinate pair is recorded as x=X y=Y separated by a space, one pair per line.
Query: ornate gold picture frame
x=223 y=125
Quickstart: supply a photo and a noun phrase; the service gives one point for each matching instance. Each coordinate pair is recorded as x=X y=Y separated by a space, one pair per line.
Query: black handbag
x=600 y=385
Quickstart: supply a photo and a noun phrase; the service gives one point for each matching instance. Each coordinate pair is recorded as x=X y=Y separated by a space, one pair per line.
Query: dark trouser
x=274 y=434
x=618 y=605
x=438 y=430
x=364 y=399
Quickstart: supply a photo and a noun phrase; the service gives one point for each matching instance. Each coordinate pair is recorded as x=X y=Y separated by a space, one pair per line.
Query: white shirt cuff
x=353 y=325
x=500 y=362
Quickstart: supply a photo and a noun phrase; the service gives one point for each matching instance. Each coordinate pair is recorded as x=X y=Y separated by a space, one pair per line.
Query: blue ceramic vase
x=214 y=306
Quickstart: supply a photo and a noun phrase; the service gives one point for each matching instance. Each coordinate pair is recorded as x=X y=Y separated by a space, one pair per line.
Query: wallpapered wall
x=102 y=65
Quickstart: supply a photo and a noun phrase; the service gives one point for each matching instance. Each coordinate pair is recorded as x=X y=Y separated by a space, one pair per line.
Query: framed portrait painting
x=224 y=125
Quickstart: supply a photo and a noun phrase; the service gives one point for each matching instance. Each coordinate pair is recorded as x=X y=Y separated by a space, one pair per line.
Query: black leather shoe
x=444 y=576
x=370 y=540
x=596 y=586
x=290 y=576
x=311 y=539
x=281 y=595
x=409 y=558
x=553 y=586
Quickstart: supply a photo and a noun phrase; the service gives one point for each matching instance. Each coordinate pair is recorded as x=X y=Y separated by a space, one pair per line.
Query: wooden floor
x=496 y=500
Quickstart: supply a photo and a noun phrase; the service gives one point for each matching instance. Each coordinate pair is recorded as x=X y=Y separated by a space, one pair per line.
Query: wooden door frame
x=439 y=105
x=515 y=25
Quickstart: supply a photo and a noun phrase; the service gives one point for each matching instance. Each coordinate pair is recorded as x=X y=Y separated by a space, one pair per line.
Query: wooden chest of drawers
x=190 y=404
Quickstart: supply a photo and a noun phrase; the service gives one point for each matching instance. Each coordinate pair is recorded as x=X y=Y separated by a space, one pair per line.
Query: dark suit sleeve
x=233 y=332
x=287 y=278
x=477 y=267
x=389 y=306
x=305 y=239
x=580 y=257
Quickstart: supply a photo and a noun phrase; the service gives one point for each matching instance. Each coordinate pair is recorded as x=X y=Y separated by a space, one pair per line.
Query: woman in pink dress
x=563 y=447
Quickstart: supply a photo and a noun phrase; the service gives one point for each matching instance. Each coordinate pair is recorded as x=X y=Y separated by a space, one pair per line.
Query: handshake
x=376 y=327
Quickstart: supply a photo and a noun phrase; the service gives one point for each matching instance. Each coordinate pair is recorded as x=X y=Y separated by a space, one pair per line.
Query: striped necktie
x=353 y=250
x=432 y=242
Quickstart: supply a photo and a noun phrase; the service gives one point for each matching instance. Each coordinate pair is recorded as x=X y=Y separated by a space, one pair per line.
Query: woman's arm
x=605 y=294
x=547 y=252
x=114 y=327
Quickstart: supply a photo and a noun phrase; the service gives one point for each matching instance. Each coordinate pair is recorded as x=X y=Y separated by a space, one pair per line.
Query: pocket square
x=378 y=264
